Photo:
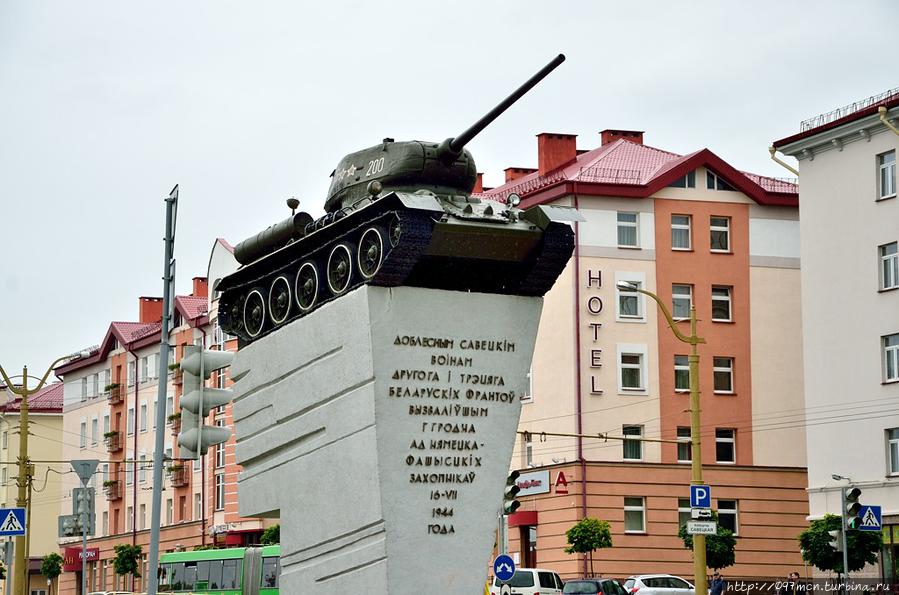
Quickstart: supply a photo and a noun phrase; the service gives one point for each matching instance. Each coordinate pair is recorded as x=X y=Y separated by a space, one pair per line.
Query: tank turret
x=398 y=213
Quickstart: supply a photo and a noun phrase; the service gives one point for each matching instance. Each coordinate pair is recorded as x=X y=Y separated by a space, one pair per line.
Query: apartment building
x=110 y=414
x=693 y=229
x=850 y=307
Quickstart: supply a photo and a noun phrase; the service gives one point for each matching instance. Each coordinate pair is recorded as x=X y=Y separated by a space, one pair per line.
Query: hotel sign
x=536 y=482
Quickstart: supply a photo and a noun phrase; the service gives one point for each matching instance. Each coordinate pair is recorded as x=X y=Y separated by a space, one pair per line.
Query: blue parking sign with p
x=700 y=497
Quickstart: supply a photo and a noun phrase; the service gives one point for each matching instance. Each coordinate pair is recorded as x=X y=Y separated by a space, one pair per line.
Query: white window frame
x=886 y=171
x=638 y=317
x=677 y=294
x=220 y=448
x=144 y=369
x=641 y=508
x=723 y=440
x=683 y=506
x=219 y=491
x=95 y=430
x=529 y=396
x=682 y=367
x=169 y=511
x=142 y=468
x=641 y=366
x=83 y=437
x=735 y=511
x=129 y=422
x=718 y=367
x=132 y=370
x=198 y=505
x=688 y=226
x=95 y=385
x=892 y=439
x=719 y=228
x=629 y=430
x=714 y=182
x=635 y=224
x=144 y=414
x=684 y=438
x=528 y=448
x=890 y=347
x=889 y=265
x=729 y=299
x=84 y=388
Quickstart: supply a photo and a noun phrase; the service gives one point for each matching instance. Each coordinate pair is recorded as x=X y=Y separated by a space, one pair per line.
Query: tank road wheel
x=279 y=300
x=370 y=253
x=254 y=313
x=395 y=232
x=340 y=268
x=306 y=286
x=235 y=317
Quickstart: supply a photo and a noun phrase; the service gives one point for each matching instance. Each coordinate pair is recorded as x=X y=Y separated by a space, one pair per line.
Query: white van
x=530 y=581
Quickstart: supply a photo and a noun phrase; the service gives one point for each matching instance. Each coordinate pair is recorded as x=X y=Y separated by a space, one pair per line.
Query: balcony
x=175 y=423
x=113 y=441
x=175 y=369
x=178 y=474
x=113 y=489
x=115 y=394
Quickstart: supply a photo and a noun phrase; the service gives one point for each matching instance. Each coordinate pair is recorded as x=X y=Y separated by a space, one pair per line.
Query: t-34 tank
x=398 y=213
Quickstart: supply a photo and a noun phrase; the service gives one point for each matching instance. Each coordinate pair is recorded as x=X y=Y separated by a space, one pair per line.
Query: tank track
x=275 y=286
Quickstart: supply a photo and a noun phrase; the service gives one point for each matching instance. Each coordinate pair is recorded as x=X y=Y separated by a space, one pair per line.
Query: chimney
x=513 y=173
x=201 y=287
x=478 y=183
x=610 y=136
x=554 y=150
x=150 y=309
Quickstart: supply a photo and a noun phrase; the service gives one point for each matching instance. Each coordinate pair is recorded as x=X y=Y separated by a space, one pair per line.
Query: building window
x=727 y=515
x=169 y=511
x=681 y=300
x=683 y=511
x=130 y=420
x=681 y=374
x=893 y=450
x=198 y=506
x=105 y=523
x=143 y=417
x=220 y=448
x=95 y=385
x=680 y=232
x=633 y=449
x=142 y=466
x=528 y=449
x=220 y=491
x=724 y=374
x=627 y=230
x=105 y=423
x=687 y=181
x=84 y=389
x=634 y=515
x=891 y=358
x=4 y=441
x=719 y=229
x=631 y=366
x=83 y=441
x=95 y=430
x=629 y=302
x=143 y=516
x=129 y=518
x=721 y=300
x=144 y=369
x=889 y=266
x=886 y=164
x=725 y=451
x=529 y=396
x=714 y=182
x=131 y=370
x=684 y=446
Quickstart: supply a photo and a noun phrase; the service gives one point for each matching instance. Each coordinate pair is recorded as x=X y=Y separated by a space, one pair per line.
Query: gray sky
x=105 y=106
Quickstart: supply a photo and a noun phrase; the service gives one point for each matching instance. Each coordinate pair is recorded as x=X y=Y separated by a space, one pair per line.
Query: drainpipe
x=577 y=367
x=772 y=151
x=882 y=111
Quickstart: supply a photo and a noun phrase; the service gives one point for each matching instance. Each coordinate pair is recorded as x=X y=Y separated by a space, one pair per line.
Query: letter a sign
x=12 y=521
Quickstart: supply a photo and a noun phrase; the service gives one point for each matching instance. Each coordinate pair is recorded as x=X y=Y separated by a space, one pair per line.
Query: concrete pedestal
x=380 y=429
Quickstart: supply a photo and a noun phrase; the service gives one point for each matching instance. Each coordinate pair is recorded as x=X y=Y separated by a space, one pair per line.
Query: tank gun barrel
x=452 y=147
x=272 y=238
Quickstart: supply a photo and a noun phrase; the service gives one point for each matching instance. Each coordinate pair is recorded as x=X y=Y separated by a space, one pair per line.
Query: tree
x=127 y=559
x=51 y=566
x=588 y=535
x=719 y=548
x=271 y=536
x=816 y=550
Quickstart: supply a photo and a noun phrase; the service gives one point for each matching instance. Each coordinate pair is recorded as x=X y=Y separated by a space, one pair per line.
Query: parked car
x=594 y=586
x=531 y=581
x=658 y=584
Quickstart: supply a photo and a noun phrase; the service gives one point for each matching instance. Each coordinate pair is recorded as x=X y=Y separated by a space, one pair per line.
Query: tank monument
x=383 y=349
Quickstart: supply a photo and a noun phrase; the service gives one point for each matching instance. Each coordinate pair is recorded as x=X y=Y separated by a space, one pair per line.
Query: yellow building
x=45 y=443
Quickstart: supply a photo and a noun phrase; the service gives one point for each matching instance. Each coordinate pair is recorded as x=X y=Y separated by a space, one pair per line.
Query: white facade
x=849 y=221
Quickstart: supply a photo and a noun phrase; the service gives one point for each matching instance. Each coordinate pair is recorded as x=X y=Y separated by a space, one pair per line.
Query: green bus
x=231 y=571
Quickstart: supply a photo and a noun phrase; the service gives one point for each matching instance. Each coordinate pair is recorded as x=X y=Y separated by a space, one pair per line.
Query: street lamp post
x=24 y=478
x=699 y=559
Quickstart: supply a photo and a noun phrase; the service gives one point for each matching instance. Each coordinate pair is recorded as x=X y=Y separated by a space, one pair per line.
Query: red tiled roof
x=128 y=332
x=191 y=306
x=629 y=169
x=47 y=400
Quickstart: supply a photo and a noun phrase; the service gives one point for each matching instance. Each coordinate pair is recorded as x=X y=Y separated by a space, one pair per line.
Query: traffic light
x=69 y=525
x=197 y=400
x=853 y=507
x=510 y=504
x=836 y=540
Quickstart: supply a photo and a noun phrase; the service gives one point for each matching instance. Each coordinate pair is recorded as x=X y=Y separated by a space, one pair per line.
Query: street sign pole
x=85 y=469
x=845 y=538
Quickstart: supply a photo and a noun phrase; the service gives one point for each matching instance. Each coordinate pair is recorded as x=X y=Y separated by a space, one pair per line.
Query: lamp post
x=699 y=560
x=24 y=479
x=845 y=528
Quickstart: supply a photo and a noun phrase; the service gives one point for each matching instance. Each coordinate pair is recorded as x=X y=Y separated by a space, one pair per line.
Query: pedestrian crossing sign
x=12 y=521
x=870 y=518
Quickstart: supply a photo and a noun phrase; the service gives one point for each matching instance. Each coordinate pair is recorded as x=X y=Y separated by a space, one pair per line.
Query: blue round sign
x=503 y=567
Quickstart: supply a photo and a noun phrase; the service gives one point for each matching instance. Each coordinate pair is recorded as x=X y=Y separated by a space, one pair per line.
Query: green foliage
x=208 y=546
x=719 y=549
x=815 y=542
x=127 y=559
x=271 y=536
x=51 y=565
x=588 y=535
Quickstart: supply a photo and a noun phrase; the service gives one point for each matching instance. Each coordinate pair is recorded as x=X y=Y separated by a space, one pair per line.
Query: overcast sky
x=105 y=106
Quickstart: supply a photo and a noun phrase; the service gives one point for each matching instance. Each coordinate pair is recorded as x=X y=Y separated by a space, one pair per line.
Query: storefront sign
x=594 y=308
x=536 y=482
x=561 y=483
x=71 y=557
